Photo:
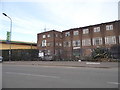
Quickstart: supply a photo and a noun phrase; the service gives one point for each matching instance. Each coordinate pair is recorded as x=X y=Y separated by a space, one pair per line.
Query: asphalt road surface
x=0 y=76
x=30 y=76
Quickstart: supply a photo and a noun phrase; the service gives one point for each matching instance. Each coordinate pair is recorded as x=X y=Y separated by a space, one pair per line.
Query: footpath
x=66 y=63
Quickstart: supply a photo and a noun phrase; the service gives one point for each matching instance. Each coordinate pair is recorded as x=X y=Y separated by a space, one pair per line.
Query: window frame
x=67 y=34
x=96 y=29
x=85 y=31
x=88 y=41
x=109 y=27
x=44 y=43
x=99 y=39
x=110 y=40
x=75 y=33
x=44 y=36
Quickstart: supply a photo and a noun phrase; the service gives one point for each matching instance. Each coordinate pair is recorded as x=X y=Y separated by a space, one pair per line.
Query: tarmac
x=66 y=63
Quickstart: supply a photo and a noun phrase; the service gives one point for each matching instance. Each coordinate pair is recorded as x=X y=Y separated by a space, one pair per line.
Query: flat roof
x=90 y=26
x=19 y=42
x=50 y=31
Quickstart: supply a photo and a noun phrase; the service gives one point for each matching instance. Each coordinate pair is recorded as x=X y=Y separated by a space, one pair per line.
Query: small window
x=56 y=35
x=48 y=44
x=43 y=43
x=60 y=44
x=48 y=52
x=85 y=31
x=60 y=36
x=48 y=35
x=119 y=38
x=67 y=34
x=97 y=29
x=76 y=43
x=56 y=44
x=67 y=44
x=86 y=42
x=44 y=36
x=110 y=40
x=109 y=27
x=97 y=41
x=76 y=33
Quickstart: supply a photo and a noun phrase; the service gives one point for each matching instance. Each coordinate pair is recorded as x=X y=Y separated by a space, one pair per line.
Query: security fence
x=115 y=51
x=21 y=55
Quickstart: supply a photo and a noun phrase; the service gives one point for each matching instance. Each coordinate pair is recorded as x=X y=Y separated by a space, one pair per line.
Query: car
x=1 y=58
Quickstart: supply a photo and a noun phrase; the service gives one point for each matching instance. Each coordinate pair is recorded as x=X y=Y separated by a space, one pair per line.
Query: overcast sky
x=32 y=16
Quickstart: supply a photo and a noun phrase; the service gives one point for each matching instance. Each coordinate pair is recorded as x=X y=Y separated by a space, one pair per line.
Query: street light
x=10 y=35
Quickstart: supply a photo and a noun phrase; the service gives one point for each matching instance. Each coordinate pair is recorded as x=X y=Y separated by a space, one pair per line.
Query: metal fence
x=21 y=55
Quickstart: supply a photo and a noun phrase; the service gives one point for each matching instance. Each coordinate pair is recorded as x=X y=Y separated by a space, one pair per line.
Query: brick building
x=50 y=44
x=78 y=42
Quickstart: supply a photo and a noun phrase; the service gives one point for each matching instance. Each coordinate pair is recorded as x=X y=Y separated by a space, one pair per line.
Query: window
x=56 y=44
x=48 y=44
x=67 y=44
x=85 y=31
x=97 y=29
x=110 y=40
x=109 y=27
x=43 y=43
x=119 y=38
x=60 y=44
x=56 y=35
x=75 y=32
x=76 y=43
x=48 y=35
x=67 y=34
x=48 y=52
x=97 y=41
x=60 y=36
x=86 y=42
x=44 y=36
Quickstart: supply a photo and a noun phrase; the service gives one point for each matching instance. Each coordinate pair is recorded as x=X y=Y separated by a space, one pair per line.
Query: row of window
x=44 y=43
x=85 y=42
x=86 y=31
x=49 y=35
x=96 y=41
x=49 y=52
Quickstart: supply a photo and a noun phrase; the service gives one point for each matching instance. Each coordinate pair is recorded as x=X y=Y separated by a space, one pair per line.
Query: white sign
x=76 y=47
x=41 y=54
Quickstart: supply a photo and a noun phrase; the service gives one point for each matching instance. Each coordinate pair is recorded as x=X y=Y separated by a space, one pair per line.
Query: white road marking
x=113 y=83
x=32 y=74
x=92 y=63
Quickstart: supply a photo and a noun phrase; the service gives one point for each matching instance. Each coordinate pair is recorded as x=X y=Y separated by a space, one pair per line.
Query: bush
x=100 y=53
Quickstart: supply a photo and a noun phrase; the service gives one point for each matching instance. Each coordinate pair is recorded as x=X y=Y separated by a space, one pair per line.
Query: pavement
x=66 y=63
x=44 y=76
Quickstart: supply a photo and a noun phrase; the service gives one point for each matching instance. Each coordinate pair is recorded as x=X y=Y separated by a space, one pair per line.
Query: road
x=0 y=76
x=31 y=76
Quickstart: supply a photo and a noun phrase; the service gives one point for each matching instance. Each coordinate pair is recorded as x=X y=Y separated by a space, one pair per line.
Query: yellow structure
x=17 y=45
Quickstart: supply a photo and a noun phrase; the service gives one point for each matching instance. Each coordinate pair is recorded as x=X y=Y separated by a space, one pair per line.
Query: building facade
x=50 y=44
x=79 y=42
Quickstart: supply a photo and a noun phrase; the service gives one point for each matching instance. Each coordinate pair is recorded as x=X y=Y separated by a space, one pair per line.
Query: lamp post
x=10 y=35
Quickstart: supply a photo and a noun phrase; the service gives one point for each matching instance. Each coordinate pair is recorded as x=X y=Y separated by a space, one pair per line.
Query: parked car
x=1 y=58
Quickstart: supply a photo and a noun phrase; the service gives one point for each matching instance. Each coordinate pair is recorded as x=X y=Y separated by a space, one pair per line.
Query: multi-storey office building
x=79 y=42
